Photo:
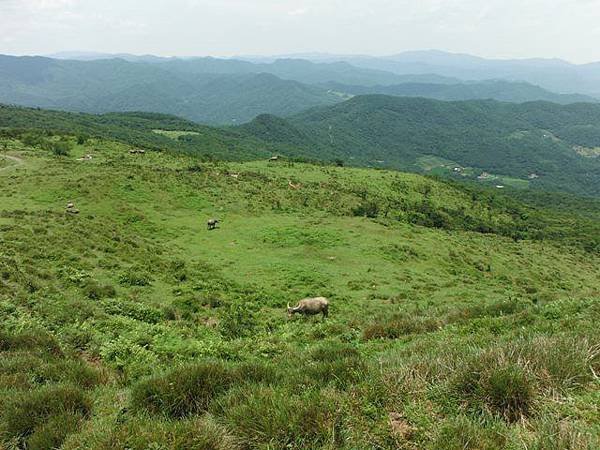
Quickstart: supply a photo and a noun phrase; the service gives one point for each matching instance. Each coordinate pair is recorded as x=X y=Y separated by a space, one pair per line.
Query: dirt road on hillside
x=15 y=159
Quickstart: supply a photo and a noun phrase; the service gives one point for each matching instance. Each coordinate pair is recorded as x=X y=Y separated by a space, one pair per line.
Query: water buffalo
x=310 y=307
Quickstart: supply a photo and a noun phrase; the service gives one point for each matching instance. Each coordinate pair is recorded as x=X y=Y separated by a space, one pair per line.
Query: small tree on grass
x=61 y=148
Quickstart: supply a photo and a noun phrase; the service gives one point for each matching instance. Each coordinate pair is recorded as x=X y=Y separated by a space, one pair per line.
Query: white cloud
x=506 y=28
x=298 y=12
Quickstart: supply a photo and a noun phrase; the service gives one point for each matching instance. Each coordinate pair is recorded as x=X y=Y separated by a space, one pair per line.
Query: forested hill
x=537 y=144
x=506 y=91
x=148 y=131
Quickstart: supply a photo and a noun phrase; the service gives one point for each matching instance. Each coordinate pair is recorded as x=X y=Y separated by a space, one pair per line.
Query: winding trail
x=15 y=159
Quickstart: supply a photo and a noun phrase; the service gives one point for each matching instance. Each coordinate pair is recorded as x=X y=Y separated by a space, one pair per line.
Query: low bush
x=135 y=276
x=398 y=326
x=369 y=209
x=256 y=372
x=561 y=363
x=267 y=417
x=44 y=370
x=52 y=434
x=139 y=433
x=462 y=433
x=32 y=340
x=552 y=433
x=25 y=412
x=184 y=391
x=95 y=291
x=339 y=364
x=133 y=310
x=501 y=388
x=238 y=320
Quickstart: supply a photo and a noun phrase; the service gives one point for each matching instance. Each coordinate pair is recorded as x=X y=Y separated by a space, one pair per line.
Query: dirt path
x=15 y=159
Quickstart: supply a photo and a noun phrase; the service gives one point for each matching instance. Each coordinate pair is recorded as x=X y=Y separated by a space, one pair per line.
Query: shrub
x=255 y=372
x=266 y=417
x=461 y=433
x=24 y=412
x=135 y=276
x=95 y=291
x=502 y=388
x=53 y=433
x=140 y=433
x=238 y=320
x=561 y=362
x=42 y=370
x=335 y=363
x=368 y=209
x=555 y=434
x=60 y=148
x=31 y=340
x=137 y=311
x=182 y=392
x=398 y=326
x=497 y=309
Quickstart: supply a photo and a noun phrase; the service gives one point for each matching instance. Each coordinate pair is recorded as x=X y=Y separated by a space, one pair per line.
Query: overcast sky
x=568 y=29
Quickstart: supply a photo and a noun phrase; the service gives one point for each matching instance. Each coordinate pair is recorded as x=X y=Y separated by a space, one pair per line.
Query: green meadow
x=459 y=317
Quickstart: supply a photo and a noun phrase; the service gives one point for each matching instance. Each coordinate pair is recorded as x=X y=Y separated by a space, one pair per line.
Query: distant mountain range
x=552 y=74
x=505 y=91
x=229 y=91
x=118 y=85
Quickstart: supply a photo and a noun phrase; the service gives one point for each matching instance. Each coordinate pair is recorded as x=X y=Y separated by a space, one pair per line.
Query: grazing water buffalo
x=310 y=307
x=212 y=224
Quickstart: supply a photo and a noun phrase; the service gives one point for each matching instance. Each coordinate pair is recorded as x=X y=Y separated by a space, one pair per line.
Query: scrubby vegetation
x=460 y=318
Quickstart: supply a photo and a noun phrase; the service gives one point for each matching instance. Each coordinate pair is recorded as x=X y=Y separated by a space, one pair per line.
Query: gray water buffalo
x=310 y=307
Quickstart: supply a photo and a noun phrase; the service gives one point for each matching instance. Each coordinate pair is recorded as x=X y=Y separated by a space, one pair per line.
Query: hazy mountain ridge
x=514 y=92
x=117 y=85
x=220 y=91
x=552 y=74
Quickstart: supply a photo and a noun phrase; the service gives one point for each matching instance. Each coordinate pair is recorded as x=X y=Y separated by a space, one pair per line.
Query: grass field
x=176 y=134
x=456 y=322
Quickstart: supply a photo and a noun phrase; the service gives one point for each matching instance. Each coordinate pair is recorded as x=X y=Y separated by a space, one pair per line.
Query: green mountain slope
x=505 y=91
x=145 y=130
x=538 y=144
x=117 y=85
x=458 y=317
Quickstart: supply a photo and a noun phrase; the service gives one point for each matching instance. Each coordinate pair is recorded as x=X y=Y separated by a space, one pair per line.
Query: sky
x=566 y=29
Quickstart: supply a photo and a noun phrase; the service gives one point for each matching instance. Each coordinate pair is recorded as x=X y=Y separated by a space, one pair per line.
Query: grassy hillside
x=541 y=145
x=537 y=145
x=459 y=318
x=145 y=130
x=118 y=85
x=504 y=91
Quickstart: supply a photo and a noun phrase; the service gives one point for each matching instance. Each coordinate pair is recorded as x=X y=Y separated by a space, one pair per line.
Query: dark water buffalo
x=310 y=307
